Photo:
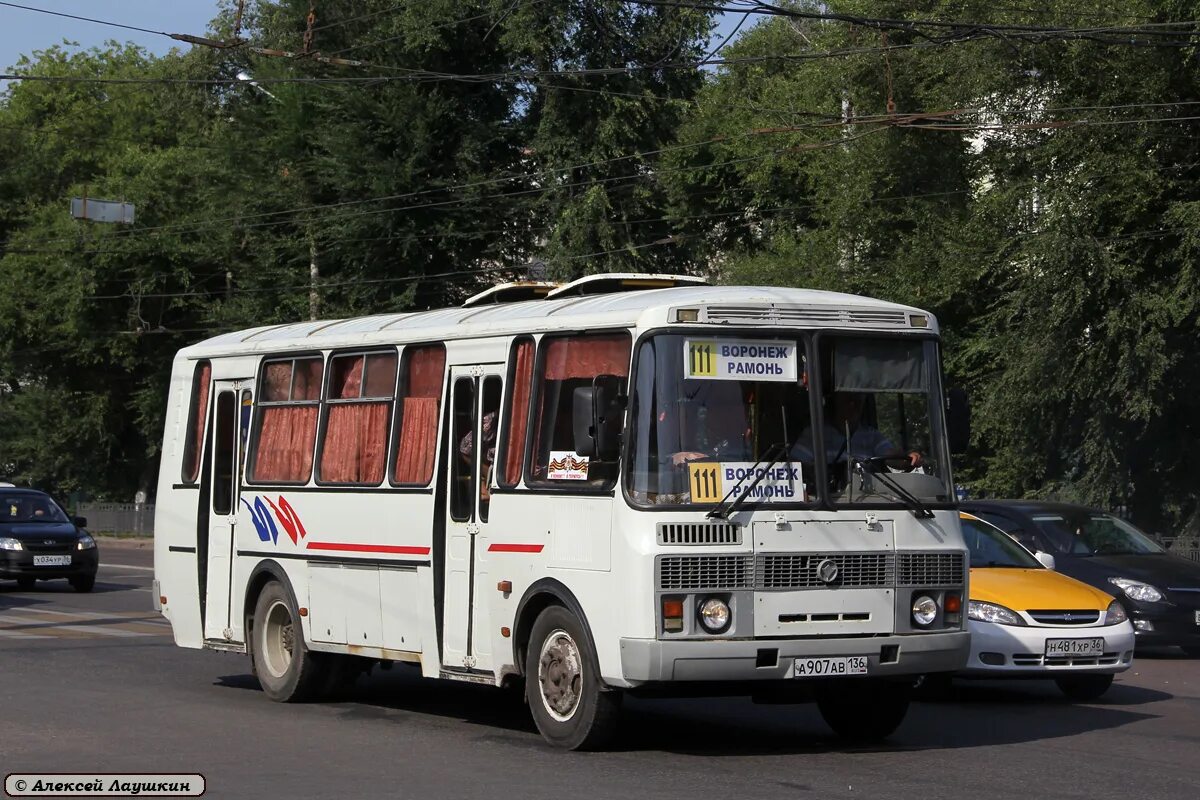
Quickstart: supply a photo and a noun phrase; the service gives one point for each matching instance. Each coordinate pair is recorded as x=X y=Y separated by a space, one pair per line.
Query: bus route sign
x=739 y=359
x=781 y=483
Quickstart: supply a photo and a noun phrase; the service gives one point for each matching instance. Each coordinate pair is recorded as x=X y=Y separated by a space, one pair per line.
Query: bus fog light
x=924 y=610
x=714 y=615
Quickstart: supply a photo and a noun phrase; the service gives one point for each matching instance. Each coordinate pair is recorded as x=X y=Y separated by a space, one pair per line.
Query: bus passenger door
x=474 y=417
x=223 y=482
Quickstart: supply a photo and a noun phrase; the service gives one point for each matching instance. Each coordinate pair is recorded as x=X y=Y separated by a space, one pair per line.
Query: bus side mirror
x=596 y=419
x=958 y=421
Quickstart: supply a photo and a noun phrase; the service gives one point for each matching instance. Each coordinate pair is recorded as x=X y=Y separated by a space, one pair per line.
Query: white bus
x=626 y=484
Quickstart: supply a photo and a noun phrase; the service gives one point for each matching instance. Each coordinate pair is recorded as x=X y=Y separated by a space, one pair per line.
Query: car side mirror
x=80 y=522
x=1046 y=559
x=596 y=420
x=958 y=420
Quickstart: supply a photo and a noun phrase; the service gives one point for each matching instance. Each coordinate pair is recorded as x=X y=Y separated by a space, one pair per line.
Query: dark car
x=38 y=541
x=1161 y=591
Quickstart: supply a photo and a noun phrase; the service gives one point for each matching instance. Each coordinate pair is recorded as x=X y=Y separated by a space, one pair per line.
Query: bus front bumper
x=654 y=660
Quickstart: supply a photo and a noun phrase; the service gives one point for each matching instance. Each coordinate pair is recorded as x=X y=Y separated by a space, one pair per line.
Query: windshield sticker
x=565 y=465
x=739 y=359
x=710 y=481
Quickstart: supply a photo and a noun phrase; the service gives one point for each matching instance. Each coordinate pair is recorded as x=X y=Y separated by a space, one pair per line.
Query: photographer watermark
x=103 y=784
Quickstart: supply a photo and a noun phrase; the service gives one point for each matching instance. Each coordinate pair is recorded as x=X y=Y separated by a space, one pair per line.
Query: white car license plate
x=51 y=561
x=826 y=667
x=1198 y=616
x=1074 y=647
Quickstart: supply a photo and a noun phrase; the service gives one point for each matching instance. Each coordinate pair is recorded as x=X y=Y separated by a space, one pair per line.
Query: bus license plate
x=1074 y=647
x=830 y=667
x=51 y=561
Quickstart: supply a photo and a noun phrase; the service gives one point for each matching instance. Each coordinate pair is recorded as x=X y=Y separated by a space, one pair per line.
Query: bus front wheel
x=865 y=710
x=571 y=707
x=287 y=671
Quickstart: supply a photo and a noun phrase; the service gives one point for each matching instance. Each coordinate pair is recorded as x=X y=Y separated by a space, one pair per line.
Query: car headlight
x=924 y=610
x=10 y=544
x=86 y=542
x=714 y=615
x=1115 y=614
x=990 y=612
x=1136 y=590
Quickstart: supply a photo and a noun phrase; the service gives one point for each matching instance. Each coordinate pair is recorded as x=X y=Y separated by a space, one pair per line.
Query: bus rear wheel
x=287 y=671
x=571 y=707
x=865 y=710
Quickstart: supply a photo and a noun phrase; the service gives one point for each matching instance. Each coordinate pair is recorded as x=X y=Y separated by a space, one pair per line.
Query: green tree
x=1048 y=224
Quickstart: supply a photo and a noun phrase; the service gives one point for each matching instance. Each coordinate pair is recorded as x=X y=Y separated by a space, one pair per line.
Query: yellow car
x=1027 y=621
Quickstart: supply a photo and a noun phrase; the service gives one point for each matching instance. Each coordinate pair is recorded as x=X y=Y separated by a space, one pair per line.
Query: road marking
x=43 y=623
x=7 y=634
x=129 y=566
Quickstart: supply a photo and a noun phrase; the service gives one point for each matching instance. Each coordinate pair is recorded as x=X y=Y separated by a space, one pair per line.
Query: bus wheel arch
x=570 y=704
x=279 y=657
x=540 y=595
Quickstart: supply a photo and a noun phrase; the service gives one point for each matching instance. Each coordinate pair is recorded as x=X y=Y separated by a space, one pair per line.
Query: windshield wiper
x=914 y=505
x=776 y=452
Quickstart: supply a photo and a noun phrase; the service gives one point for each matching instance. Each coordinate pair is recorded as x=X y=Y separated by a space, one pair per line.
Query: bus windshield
x=711 y=411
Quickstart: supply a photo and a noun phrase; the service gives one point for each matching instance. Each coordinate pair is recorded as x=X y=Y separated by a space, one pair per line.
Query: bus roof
x=733 y=305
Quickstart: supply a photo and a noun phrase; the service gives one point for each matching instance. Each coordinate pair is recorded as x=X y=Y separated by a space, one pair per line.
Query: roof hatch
x=612 y=282
x=511 y=293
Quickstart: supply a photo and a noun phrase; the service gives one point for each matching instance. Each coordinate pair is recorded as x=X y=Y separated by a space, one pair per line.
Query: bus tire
x=864 y=710
x=570 y=705
x=286 y=669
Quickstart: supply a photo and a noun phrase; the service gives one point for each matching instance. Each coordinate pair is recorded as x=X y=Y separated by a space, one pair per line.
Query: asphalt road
x=94 y=683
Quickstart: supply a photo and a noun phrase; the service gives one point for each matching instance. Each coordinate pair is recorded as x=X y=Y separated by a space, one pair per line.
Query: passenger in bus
x=466 y=448
x=844 y=413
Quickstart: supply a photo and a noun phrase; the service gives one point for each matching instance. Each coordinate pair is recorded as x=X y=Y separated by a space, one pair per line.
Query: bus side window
x=422 y=372
x=568 y=363
x=462 y=463
x=198 y=414
x=487 y=461
x=286 y=431
x=520 y=382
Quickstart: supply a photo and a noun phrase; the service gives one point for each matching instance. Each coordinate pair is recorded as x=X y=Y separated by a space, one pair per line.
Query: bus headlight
x=714 y=615
x=924 y=610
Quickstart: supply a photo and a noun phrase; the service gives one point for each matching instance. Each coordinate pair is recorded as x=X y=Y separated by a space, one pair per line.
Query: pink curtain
x=418 y=440
x=426 y=368
x=346 y=377
x=587 y=356
x=277 y=382
x=200 y=403
x=514 y=453
x=355 y=445
x=285 y=443
x=381 y=375
x=307 y=383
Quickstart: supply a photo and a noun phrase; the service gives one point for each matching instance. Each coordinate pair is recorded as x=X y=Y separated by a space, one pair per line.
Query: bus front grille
x=800 y=570
x=791 y=571
x=930 y=569
x=706 y=572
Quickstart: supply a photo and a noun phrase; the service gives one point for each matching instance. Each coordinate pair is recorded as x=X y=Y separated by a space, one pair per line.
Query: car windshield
x=991 y=547
x=30 y=508
x=1094 y=533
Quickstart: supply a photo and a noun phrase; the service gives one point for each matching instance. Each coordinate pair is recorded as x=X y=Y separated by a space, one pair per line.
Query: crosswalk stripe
x=75 y=615
x=45 y=622
x=7 y=634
